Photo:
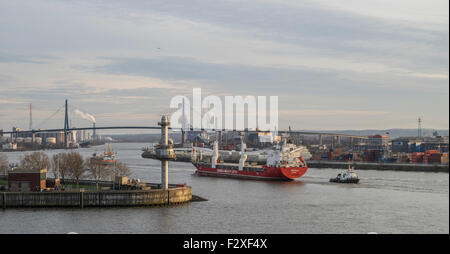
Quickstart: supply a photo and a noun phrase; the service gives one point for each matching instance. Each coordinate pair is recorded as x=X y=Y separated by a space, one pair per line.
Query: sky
x=334 y=65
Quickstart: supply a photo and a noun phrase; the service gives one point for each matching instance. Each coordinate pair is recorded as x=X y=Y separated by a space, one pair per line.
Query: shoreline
x=100 y=198
x=435 y=168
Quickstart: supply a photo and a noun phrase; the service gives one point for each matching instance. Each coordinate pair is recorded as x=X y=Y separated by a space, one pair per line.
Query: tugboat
x=86 y=144
x=349 y=176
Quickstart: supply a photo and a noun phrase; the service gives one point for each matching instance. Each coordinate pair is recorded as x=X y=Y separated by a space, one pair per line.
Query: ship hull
x=264 y=173
x=336 y=180
x=85 y=145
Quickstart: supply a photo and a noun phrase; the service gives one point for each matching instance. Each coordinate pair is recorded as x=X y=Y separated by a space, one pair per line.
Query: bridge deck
x=158 y=128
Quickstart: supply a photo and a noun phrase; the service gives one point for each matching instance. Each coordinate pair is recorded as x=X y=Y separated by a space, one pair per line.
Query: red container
x=432 y=152
x=330 y=156
x=433 y=158
x=417 y=157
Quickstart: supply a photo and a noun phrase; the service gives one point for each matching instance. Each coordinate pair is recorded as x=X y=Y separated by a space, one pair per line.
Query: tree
x=35 y=161
x=3 y=163
x=55 y=164
x=60 y=165
x=97 y=169
x=74 y=163
x=120 y=169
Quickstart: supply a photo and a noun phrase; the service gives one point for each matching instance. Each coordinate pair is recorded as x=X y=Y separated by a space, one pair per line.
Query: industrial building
x=379 y=142
x=23 y=180
x=405 y=145
x=413 y=144
x=21 y=140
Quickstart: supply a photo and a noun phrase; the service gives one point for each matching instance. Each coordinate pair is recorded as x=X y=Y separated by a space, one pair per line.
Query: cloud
x=331 y=112
x=281 y=80
x=176 y=68
x=133 y=56
x=13 y=101
x=12 y=58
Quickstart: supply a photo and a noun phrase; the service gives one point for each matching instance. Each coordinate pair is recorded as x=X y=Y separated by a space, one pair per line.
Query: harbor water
x=384 y=202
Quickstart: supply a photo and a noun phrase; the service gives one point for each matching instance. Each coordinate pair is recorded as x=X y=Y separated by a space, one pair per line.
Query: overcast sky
x=341 y=64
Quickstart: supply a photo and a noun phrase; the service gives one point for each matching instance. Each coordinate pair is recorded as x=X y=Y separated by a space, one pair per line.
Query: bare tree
x=3 y=163
x=35 y=161
x=60 y=166
x=120 y=169
x=74 y=162
x=55 y=164
x=97 y=169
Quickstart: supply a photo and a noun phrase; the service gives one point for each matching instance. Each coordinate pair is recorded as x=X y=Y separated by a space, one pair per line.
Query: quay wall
x=96 y=198
x=381 y=166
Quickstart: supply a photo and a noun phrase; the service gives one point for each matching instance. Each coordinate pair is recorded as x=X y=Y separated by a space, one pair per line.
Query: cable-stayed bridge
x=67 y=129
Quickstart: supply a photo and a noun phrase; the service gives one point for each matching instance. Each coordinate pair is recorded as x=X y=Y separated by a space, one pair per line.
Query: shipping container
x=417 y=157
x=444 y=158
x=432 y=151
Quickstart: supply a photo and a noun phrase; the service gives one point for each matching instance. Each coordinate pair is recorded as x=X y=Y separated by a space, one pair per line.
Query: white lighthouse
x=165 y=152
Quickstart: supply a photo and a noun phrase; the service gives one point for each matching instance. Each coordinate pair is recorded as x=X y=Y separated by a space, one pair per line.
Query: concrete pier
x=82 y=199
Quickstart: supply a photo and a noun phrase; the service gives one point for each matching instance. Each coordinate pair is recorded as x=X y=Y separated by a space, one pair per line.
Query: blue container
x=418 y=148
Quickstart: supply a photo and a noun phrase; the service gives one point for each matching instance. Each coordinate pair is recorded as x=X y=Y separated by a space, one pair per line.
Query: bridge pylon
x=66 y=125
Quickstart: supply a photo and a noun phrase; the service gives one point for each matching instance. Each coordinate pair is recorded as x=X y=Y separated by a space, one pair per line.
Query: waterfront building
x=378 y=142
x=22 y=180
x=405 y=145
x=73 y=137
x=413 y=144
x=60 y=137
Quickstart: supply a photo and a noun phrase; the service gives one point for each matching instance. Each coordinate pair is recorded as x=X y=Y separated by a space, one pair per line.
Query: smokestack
x=93 y=135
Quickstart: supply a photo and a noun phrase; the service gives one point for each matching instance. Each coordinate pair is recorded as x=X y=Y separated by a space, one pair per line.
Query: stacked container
x=417 y=157
x=371 y=155
x=432 y=157
x=444 y=158
x=405 y=158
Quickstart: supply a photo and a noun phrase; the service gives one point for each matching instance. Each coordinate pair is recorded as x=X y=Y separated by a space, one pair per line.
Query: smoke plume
x=86 y=116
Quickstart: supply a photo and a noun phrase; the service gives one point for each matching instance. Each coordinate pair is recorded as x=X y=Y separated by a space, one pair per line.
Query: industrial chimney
x=94 y=137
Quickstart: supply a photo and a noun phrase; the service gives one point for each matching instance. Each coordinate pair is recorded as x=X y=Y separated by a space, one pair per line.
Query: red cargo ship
x=283 y=163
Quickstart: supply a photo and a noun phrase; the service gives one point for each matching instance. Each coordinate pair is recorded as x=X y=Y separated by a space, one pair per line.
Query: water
x=384 y=202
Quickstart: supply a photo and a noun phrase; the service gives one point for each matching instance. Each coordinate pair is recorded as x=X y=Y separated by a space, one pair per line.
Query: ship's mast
x=215 y=155
x=243 y=154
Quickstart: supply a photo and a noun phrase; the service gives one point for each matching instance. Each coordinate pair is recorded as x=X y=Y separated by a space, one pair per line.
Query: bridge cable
x=46 y=120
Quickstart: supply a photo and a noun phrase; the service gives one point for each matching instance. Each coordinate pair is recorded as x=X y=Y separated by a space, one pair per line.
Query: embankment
x=113 y=198
x=381 y=166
